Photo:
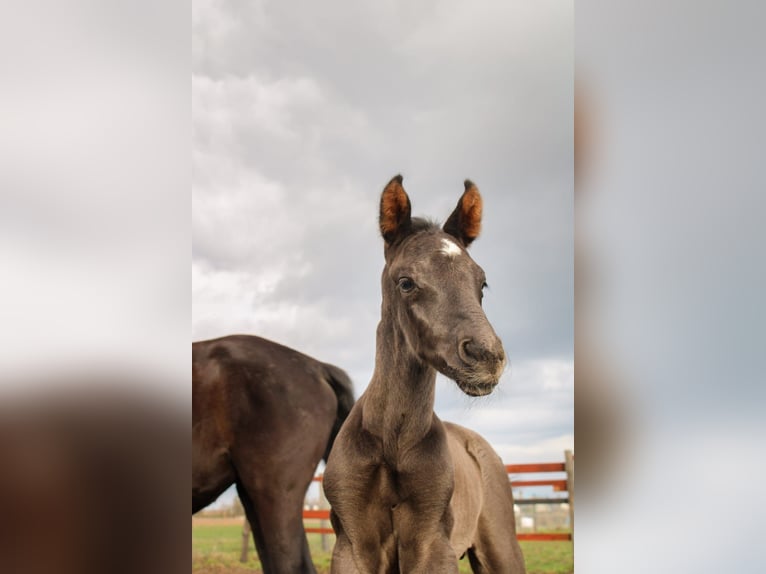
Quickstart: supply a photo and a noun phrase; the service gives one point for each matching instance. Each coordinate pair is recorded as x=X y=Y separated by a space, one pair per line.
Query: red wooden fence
x=558 y=485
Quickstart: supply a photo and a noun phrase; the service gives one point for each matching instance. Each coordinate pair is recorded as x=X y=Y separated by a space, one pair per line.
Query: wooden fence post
x=245 y=541
x=569 y=466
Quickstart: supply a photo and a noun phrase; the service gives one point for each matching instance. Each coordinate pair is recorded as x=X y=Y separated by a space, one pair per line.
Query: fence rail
x=558 y=485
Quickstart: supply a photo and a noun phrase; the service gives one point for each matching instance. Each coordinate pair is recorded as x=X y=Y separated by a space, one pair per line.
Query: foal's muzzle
x=483 y=364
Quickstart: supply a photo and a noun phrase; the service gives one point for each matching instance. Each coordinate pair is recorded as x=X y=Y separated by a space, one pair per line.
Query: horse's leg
x=278 y=446
x=276 y=470
x=255 y=527
x=276 y=517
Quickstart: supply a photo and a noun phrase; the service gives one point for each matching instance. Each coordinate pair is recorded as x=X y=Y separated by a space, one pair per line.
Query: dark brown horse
x=409 y=493
x=263 y=415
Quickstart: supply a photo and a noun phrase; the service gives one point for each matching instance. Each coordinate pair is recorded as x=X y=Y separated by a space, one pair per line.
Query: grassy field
x=216 y=545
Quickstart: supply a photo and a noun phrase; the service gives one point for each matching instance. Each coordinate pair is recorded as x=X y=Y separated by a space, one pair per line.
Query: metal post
x=569 y=466
x=245 y=541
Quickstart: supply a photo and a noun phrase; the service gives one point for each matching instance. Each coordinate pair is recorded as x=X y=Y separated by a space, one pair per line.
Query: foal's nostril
x=469 y=351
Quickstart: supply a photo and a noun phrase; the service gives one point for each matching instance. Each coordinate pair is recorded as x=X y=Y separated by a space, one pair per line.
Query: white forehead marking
x=450 y=248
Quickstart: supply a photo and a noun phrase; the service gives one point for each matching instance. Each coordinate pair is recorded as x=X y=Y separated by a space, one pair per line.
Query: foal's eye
x=406 y=284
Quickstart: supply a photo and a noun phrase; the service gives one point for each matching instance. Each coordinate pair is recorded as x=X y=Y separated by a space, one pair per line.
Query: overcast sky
x=302 y=113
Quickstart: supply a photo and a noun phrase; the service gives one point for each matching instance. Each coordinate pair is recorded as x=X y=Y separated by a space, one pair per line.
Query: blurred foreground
x=93 y=481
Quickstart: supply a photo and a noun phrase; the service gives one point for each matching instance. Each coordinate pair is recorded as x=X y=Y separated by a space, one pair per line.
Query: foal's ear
x=465 y=222
x=394 y=211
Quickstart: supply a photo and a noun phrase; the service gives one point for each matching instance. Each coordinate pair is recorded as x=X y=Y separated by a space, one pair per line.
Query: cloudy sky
x=302 y=113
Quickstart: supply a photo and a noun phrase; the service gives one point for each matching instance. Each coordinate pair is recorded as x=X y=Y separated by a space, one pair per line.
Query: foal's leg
x=497 y=549
x=477 y=567
x=497 y=557
x=371 y=550
x=424 y=544
x=343 y=557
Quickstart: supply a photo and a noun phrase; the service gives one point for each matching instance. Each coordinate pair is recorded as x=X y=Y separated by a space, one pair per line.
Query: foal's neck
x=399 y=401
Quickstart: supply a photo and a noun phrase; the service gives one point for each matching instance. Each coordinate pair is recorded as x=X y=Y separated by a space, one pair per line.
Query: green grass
x=217 y=539
x=216 y=549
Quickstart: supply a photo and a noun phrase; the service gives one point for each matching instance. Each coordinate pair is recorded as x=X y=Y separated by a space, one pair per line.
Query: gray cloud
x=302 y=113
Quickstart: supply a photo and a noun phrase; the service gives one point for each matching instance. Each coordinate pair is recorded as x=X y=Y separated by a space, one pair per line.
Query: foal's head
x=432 y=289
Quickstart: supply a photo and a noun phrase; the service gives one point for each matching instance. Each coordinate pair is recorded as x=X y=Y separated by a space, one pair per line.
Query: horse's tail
x=344 y=391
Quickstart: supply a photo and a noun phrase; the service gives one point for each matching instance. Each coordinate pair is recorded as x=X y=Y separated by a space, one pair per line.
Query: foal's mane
x=417 y=226
x=423 y=224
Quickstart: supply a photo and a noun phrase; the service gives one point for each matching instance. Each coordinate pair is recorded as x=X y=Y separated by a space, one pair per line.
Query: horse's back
x=266 y=357
x=486 y=529
x=261 y=386
x=248 y=370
